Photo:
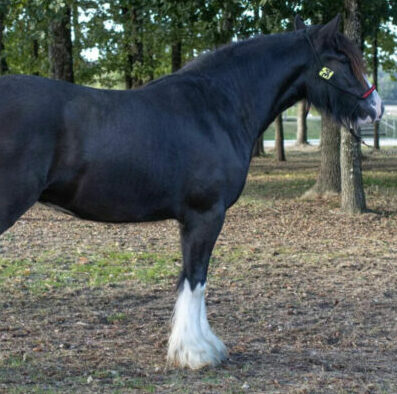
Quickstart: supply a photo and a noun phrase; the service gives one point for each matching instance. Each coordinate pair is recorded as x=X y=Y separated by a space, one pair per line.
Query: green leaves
x=115 y=28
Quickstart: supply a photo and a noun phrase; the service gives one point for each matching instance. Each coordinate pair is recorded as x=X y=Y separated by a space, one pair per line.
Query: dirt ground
x=304 y=296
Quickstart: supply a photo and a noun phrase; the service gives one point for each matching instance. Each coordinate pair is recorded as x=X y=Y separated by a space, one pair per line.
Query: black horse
x=178 y=148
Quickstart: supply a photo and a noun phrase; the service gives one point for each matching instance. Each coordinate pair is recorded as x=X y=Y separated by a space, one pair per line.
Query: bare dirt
x=304 y=296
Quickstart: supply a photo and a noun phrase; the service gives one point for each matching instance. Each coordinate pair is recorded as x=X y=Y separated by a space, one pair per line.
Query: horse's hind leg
x=192 y=343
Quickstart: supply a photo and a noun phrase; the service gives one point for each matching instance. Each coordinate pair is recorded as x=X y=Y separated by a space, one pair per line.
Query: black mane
x=347 y=47
x=225 y=54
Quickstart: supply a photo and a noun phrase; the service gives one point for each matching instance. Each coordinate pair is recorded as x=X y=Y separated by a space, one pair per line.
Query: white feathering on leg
x=208 y=333
x=192 y=343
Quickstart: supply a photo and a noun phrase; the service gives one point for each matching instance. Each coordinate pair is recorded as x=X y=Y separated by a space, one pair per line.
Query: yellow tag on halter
x=326 y=73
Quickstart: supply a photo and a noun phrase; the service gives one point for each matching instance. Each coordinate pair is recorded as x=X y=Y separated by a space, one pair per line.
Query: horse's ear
x=298 y=23
x=331 y=28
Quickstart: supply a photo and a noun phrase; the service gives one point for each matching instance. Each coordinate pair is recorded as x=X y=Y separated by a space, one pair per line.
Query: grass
x=105 y=267
x=381 y=179
x=275 y=186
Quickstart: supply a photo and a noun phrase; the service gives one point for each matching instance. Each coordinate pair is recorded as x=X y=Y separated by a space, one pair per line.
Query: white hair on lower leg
x=207 y=332
x=192 y=343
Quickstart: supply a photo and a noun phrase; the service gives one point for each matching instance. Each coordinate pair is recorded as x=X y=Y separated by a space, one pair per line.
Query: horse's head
x=335 y=80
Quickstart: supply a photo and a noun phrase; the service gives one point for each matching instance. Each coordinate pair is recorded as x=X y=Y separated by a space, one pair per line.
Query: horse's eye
x=341 y=59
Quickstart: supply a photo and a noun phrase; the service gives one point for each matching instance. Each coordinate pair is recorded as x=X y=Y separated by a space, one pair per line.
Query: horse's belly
x=115 y=199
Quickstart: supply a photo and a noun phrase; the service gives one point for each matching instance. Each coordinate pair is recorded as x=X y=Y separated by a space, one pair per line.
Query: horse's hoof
x=197 y=356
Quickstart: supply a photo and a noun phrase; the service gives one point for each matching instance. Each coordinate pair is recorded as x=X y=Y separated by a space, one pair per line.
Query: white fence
x=388 y=125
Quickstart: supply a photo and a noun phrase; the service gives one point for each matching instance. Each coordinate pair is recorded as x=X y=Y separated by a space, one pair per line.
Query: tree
x=151 y=38
x=60 y=49
x=258 y=149
x=176 y=55
x=79 y=64
x=375 y=63
x=279 y=138
x=353 y=197
x=258 y=27
x=133 y=45
x=301 y=131
x=3 y=60
x=328 y=181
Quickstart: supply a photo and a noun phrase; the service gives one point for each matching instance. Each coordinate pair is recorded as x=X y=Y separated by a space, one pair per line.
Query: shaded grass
x=288 y=181
x=381 y=179
x=275 y=186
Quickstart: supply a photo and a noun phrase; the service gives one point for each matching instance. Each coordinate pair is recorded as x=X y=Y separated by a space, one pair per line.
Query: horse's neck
x=267 y=78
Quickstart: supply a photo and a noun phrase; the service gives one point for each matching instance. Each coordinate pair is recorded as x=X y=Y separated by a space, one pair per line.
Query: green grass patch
x=12 y=361
x=113 y=266
x=109 y=266
x=116 y=317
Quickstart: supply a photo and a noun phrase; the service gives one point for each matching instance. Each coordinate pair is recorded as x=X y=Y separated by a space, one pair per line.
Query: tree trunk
x=36 y=56
x=78 y=40
x=133 y=47
x=353 y=197
x=128 y=66
x=176 y=55
x=226 y=30
x=301 y=131
x=3 y=59
x=329 y=177
x=60 y=48
x=279 y=138
x=375 y=75
x=258 y=147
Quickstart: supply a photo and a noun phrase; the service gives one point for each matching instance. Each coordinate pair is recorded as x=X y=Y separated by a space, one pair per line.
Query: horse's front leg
x=192 y=343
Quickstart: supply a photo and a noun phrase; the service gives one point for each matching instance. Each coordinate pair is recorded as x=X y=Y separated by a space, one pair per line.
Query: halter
x=326 y=74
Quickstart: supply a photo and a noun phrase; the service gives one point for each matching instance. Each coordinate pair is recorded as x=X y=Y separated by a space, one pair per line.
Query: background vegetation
x=125 y=43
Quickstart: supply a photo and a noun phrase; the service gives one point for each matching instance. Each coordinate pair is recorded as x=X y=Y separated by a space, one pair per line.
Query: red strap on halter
x=368 y=92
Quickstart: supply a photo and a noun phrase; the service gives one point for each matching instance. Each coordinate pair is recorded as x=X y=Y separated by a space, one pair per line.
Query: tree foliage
x=142 y=39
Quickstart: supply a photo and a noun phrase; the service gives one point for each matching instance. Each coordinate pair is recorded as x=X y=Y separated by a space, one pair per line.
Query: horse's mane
x=226 y=52
x=348 y=48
